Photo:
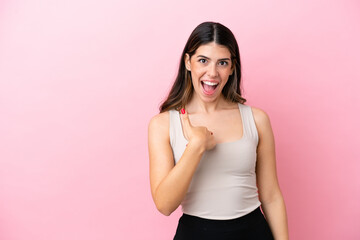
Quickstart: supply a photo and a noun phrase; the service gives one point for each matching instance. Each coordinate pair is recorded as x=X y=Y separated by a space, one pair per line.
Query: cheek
x=197 y=73
x=197 y=69
x=225 y=75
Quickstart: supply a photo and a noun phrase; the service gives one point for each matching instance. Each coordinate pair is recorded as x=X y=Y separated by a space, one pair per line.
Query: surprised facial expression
x=210 y=68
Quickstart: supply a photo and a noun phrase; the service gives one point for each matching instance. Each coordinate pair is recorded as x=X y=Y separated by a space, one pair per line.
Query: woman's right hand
x=197 y=135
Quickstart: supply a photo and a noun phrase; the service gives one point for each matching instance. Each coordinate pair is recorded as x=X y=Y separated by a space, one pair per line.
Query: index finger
x=185 y=122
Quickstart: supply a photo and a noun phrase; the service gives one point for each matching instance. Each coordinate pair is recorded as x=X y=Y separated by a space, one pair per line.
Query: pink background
x=80 y=80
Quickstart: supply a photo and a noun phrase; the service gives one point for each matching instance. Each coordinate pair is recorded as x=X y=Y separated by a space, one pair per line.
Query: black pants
x=250 y=226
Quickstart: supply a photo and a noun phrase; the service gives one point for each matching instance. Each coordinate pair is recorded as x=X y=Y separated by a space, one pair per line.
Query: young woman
x=211 y=153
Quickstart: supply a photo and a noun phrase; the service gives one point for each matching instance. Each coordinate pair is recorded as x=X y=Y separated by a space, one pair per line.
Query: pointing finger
x=185 y=118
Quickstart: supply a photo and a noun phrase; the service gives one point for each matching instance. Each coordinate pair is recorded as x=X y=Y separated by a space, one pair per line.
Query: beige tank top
x=224 y=184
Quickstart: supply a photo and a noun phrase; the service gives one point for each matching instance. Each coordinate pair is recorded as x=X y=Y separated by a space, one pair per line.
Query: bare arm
x=269 y=191
x=169 y=183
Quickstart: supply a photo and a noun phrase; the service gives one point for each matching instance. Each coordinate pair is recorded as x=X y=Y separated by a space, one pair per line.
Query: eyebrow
x=221 y=59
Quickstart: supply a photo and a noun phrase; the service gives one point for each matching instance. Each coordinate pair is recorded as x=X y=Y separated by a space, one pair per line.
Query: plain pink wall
x=80 y=80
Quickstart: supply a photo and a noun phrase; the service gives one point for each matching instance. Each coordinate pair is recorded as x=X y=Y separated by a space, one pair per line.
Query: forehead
x=213 y=50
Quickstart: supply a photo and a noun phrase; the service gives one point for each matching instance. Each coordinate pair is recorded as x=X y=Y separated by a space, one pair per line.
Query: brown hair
x=182 y=89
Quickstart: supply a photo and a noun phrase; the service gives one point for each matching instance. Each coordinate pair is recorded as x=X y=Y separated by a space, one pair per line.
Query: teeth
x=210 y=83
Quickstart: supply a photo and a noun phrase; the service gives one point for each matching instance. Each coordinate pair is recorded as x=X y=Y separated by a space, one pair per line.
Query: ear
x=187 y=62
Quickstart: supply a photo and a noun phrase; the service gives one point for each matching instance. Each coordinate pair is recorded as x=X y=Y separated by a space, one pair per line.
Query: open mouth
x=209 y=87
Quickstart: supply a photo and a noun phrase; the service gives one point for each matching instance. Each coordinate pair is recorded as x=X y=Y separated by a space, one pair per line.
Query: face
x=210 y=68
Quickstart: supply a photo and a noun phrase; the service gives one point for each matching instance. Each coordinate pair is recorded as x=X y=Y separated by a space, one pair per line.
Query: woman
x=210 y=152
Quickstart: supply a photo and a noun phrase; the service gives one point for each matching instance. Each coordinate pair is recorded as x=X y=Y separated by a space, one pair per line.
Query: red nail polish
x=182 y=111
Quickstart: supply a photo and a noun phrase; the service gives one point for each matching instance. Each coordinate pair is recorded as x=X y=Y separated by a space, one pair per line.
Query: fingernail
x=182 y=111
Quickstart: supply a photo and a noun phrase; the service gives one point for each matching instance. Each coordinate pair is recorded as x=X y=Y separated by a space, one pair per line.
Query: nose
x=212 y=71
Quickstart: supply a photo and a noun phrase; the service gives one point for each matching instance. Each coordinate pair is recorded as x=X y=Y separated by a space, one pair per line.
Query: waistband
x=250 y=218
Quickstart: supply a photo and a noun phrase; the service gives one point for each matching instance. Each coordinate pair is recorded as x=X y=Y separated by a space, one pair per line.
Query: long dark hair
x=182 y=89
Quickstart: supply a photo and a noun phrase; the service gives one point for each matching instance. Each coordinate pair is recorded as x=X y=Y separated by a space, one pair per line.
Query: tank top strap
x=250 y=130
x=175 y=131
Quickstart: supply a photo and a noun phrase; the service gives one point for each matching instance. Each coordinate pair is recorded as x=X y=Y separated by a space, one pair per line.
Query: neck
x=197 y=105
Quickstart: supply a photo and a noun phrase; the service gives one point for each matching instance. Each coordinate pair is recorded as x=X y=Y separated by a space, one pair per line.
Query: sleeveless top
x=224 y=183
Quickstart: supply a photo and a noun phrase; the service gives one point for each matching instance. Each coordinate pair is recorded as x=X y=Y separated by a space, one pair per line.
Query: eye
x=202 y=60
x=223 y=63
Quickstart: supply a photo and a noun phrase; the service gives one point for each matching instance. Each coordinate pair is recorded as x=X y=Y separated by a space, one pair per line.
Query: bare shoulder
x=260 y=115
x=160 y=119
x=261 y=119
x=159 y=124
